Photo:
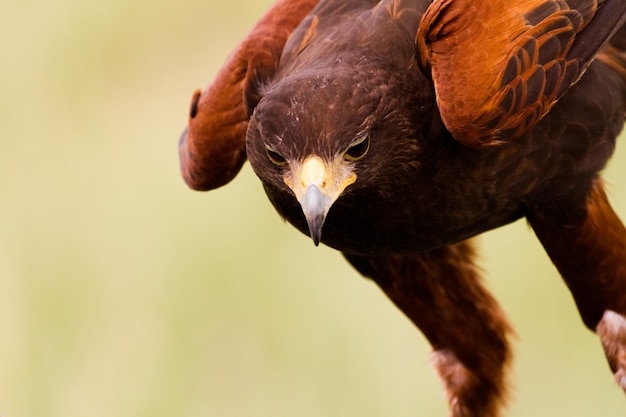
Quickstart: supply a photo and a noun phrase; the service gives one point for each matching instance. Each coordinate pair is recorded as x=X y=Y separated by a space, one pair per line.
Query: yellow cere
x=313 y=172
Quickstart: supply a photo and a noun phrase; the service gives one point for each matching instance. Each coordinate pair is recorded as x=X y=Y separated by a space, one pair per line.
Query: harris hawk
x=397 y=130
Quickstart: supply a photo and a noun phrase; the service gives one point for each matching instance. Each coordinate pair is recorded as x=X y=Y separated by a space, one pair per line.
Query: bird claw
x=469 y=393
x=455 y=376
x=612 y=332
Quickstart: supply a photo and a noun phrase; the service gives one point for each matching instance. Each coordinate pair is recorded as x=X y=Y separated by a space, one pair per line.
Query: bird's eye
x=358 y=149
x=275 y=157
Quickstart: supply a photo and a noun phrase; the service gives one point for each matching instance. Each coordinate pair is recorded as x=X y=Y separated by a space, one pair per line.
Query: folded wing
x=498 y=66
x=212 y=149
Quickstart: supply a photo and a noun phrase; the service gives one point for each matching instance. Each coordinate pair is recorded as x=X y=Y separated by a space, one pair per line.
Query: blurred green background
x=123 y=293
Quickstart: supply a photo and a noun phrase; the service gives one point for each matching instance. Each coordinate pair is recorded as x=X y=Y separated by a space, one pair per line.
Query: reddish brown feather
x=498 y=67
x=598 y=241
x=212 y=150
x=441 y=291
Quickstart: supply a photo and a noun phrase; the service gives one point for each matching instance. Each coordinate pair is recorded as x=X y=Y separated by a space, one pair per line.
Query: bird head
x=308 y=137
x=338 y=122
x=317 y=137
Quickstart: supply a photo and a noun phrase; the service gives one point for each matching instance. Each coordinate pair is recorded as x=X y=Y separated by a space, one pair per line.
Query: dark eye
x=275 y=157
x=358 y=149
x=194 y=104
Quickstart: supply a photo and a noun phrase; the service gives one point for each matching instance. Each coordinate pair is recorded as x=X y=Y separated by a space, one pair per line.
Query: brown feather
x=442 y=293
x=483 y=55
x=212 y=149
x=599 y=241
x=378 y=98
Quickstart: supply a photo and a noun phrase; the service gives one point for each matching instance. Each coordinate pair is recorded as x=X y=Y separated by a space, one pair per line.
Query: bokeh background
x=123 y=293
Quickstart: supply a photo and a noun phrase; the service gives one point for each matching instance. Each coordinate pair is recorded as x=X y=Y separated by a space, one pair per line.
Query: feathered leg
x=590 y=253
x=440 y=291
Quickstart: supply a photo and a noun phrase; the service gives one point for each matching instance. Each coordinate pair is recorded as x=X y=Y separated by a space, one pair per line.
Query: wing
x=499 y=67
x=212 y=149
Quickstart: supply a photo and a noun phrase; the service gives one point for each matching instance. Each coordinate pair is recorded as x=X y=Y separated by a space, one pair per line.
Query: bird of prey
x=397 y=130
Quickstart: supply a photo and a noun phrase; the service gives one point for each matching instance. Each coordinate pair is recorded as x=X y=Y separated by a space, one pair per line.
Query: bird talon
x=612 y=332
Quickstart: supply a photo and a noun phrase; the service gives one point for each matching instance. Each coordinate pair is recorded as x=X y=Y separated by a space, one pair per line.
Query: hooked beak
x=315 y=206
x=317 y=185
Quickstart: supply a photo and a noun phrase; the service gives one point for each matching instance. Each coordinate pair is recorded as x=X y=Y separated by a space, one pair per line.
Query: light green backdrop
x=123 y=293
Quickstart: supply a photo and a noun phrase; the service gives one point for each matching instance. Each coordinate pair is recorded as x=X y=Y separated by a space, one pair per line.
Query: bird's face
x=317 y=182
x=315 y=139
x=309 y=152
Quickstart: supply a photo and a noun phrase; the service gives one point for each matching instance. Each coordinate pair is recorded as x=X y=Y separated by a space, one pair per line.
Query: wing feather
x=212 y=148
x=498 y=67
